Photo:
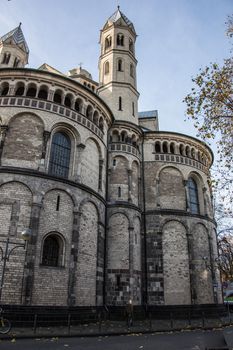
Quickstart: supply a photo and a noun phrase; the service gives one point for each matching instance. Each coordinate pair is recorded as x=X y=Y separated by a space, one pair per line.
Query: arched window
x=108 y=42
x=95 y=117
x=119 y=65
x=131 y=45
x=157 y=147
x=19 y=89
x=60 y=155
x=131 y=70
x=172 y=148
x=165 y=148
x=120 y=104
x=52 y=251
x=89 y=112
x=6 y=58
x=43 y=93
x=120 y=39
x=31 y=91
x=78 y=105
x=106 y=68
x=67 y=101
x=193 y=196
x=16 y=62
x=57 y=96
x=5 y=89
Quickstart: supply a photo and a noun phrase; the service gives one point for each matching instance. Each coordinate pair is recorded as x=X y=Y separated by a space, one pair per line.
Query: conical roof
x=118 y=15
x=18 y=37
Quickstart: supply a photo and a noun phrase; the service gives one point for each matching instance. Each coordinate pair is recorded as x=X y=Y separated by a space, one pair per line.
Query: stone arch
x=24 y=141
x=58 y=96
x=31 y=90
x=96 y=117
x=78 y=105
x=90 y=165
x=87 y=255
x=175 y=264
x=43 y=91
x=20 y=88
x=15 y=215
x=202 y=275
x=171 y=188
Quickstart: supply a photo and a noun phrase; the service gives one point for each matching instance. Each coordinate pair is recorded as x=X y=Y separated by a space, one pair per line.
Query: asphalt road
x=195 y=340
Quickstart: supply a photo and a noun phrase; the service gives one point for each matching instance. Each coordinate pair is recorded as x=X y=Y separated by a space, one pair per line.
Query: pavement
x=114 y=328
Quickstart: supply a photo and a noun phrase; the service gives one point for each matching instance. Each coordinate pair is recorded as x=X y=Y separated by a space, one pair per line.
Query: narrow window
x=133 y=108
x=120 y=104
x=157 y=147
x=193 y=196
x=119 y=192
x=106 y=68
x=131 y=45
x=58 y=203
x=114 y=162
x=120 y=39
x=16 y=62
x=60 y=155
x=131 y=71
x=52 y=251
x=164 y=147
x=119 y=65
x=172 y=148
x=108 y=42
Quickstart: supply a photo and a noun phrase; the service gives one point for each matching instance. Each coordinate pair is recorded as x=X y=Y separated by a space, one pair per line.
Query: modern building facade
x=117 y=209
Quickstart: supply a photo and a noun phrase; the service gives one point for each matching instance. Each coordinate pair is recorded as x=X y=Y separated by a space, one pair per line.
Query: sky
x=175 y=39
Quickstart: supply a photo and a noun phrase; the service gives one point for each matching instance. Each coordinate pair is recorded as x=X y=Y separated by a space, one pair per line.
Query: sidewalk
x=108 y=328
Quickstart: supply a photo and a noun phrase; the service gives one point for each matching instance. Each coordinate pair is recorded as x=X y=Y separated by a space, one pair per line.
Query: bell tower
x=14 y=51
x=117 y=67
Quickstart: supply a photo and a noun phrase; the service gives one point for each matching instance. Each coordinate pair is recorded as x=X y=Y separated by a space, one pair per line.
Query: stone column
x=191 y=269
x=212 y=269
x=3 y=133
x=73 y=257
x=157 y=193
x=101 y=163
x=80 y=148
x=130 y=185
x=28 y=280
x=205 y=201
x=46 y=136
x=51 y=95
x=187 y=195
x=131 y=262
x=11 y=91
x=100 y=264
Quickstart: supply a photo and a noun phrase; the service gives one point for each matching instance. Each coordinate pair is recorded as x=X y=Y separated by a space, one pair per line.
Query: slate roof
x=119 y=14
x=18 y=37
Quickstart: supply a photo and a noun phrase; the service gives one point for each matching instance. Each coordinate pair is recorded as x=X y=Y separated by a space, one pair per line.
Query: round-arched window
x=60 y=155
x=193 y=196
x=52 y=251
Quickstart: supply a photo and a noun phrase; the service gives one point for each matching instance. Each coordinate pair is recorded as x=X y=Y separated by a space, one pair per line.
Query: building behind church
x=117 y=209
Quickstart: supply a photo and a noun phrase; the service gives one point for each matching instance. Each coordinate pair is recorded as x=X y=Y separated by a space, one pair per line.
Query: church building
x=113 y=208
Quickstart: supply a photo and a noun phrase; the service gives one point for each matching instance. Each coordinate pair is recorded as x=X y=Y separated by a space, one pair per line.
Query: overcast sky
x=175 y=38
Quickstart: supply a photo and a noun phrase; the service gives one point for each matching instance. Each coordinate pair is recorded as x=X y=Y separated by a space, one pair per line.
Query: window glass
x=60 y=155
x=51 y=250
x=193 y=196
